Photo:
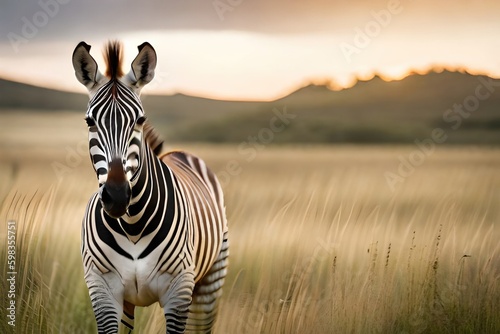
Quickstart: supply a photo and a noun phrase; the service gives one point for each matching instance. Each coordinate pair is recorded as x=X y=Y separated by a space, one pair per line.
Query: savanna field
x=320 y=243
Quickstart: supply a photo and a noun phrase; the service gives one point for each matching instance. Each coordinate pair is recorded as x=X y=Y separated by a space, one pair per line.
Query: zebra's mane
x=154 y=140
x=113 y=59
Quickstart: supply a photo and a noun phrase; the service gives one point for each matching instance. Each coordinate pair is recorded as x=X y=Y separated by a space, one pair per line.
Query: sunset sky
x=251 y=49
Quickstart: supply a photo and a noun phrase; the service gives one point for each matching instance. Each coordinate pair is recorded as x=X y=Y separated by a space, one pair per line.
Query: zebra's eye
x=141 y=120
x=90 y=121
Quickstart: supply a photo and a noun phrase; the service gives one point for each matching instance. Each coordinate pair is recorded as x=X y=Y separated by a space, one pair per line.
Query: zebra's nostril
x=105 y=197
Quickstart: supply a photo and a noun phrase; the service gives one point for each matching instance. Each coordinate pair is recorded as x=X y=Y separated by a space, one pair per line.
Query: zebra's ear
x=85 y=66
x=143 y=66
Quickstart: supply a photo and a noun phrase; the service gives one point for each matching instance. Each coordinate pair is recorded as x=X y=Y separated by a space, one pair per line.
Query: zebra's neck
x=151 y=189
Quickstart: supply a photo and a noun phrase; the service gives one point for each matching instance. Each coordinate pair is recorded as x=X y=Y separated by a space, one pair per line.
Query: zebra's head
x=115 y=119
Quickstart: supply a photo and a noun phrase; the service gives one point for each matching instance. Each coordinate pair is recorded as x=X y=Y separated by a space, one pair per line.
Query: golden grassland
x=319 y=242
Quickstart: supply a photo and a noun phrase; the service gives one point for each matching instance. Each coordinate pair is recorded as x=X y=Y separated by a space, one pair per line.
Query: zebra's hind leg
x=127 y=318
x=203 y=309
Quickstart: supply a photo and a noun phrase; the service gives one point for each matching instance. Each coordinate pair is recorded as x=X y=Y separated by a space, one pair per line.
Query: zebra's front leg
x=106 y=291
x=175 y=302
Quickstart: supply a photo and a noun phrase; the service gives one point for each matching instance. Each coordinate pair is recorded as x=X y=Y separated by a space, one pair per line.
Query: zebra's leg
x=104 y=291
x=203 y=309
x=127 y=318
x=176 y=300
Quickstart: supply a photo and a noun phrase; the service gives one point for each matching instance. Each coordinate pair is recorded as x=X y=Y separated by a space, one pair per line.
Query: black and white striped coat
x=156 y=229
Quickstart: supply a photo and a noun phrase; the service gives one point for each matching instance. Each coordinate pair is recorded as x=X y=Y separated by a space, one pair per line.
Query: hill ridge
x=373 y=110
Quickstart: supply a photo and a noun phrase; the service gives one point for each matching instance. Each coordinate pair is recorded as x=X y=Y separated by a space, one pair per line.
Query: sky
x=251 y=49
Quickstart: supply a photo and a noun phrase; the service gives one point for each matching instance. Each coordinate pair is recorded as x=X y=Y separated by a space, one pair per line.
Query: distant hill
x=164 y=110
x=16 y=95
x=373 y=111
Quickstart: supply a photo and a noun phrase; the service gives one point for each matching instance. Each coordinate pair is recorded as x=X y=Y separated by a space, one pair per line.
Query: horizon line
x=327 y=82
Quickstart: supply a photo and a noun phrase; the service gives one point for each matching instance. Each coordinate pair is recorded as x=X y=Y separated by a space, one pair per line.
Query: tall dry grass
x=319 y=243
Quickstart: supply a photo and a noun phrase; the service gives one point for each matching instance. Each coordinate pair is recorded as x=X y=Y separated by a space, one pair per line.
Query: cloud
x=94 y=18
x=97 y=18
x=250 y=48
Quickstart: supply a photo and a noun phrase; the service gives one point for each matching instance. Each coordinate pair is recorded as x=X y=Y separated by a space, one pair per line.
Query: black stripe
x=102 y=171
x=106 y=236
x=168 y=219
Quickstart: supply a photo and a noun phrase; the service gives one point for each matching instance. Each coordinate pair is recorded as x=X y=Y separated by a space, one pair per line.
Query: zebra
x=156 y=229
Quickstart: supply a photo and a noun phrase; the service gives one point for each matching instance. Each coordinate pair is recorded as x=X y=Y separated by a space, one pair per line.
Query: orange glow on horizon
x=328 y=82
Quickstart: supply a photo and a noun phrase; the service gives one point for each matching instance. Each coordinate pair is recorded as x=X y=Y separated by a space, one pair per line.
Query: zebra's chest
x=139 y=281
x=143 y=278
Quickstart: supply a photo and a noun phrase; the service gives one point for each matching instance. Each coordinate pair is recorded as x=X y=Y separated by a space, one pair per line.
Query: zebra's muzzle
x=116 y=192
x=115 y=199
